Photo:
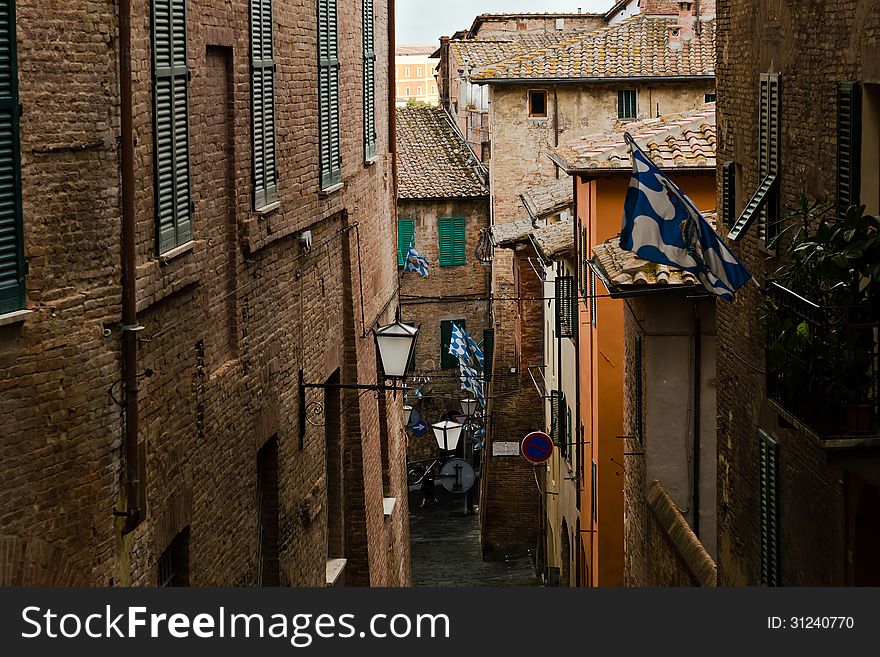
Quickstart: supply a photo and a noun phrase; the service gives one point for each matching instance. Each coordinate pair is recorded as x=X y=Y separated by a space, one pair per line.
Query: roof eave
x=599 y=172
x=573 y=80
x=627 y=291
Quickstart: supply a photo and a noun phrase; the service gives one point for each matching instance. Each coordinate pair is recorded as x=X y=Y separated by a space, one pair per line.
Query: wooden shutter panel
x=12 y=263
x=849 y=145
x=459 y=252
x=728 y=193
x=405 y=231
x=554 y=416
x=263 y=104
x=768 y=153
x=444 y=241
x=328 y=94
x=171 y=124
x=769 y=500
x=369 y=81
x=488 y=352
x=565 y=307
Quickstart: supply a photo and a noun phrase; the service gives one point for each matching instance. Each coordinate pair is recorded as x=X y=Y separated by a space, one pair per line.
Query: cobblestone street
x=445 y=547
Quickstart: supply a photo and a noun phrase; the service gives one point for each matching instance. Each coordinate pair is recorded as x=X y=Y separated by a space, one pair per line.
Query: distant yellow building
x=415 y=75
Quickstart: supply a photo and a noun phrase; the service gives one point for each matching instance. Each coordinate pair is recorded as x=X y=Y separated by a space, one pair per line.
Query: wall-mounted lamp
x=447 y=434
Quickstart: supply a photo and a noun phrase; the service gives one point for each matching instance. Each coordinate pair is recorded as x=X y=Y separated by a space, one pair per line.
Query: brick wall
x=228 y=324
x=503 y=25
x=812 y=48
x=442 y=391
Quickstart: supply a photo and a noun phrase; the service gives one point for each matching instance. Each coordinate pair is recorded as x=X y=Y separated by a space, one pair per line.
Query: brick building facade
x=230 y=316
x=797 y=503
x=443 y=208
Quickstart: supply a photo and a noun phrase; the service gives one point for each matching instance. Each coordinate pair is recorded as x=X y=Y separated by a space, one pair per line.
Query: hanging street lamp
x=469 y=407
x=447 y=434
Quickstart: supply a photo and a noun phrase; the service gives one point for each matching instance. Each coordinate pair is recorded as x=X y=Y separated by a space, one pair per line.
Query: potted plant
x=833 y=262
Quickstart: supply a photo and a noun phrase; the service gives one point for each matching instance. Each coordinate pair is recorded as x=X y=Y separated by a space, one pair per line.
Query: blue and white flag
x=470 y=361
x=416 y=262
x=472 y=381
x=662 y=225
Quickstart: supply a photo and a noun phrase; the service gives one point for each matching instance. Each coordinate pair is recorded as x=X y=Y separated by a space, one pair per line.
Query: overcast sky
x=425 y=21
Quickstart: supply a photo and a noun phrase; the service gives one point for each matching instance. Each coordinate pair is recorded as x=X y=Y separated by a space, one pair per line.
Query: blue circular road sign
x=537 y=447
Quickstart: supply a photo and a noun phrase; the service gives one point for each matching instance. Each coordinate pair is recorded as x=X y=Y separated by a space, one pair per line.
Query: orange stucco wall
x=600 y=367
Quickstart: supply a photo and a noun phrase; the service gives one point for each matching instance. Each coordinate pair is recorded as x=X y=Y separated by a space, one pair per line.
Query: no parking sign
x=537 y=447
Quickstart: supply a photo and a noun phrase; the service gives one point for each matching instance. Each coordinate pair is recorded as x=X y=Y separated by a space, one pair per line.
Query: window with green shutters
x=626 y=104
x=171 y=125
x=768 y=450
x=451 y=236
x=447 y=360
x=405 y=236
x=263 y=104
x=12 y=263
x=849 y=141
x=369 y=81
x=488 y=352
x=328 y=95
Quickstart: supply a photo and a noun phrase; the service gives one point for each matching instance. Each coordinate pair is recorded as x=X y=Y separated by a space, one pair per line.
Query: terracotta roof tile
x=639 y=46
x=432 y=161
x=484 y=51
x=685 y=139
x=555 y=241
x=548 y=199
x=511 y=232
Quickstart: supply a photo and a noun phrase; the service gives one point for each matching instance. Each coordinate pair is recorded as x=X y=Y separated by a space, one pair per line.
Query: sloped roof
x=404 y=50
x=555 y=241
x=511 y=232
x=433 y=162
x=674 y=141
x=484 y=51
x=633 y=48
x=626 y=271
x=547 y=199
x=483 y=18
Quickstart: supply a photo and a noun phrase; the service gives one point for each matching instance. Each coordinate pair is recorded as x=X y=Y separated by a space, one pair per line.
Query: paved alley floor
x=446 y=549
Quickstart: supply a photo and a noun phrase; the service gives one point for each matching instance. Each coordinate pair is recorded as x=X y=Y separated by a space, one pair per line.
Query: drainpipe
x=129 y=308
x=698 y=338
x=556 y=123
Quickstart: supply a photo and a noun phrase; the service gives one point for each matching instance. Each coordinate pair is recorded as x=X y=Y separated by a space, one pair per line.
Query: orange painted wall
x=601 y=355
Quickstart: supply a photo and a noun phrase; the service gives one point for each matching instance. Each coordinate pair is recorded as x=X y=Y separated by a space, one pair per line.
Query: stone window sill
x=14 y=317
x=324 y=193
x=371 y=161
x=268 y=209
x=168 y=256
x=335 y=568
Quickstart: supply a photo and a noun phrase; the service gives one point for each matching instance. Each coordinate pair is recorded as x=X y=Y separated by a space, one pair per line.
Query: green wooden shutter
x=555 y=404
x=565 y=307
x=12 y=263
x=570 y=450
x=768 y=153
x=639 y=411
x=369 y=81
x=728 y=194
x=769 y=501
x=328 y=95
x=405 y=232
x=263 y=104
x=626 y=104
x=451 y=241
x=849 y=145
x=171 y=125
x=447 y=360
x=488 y=352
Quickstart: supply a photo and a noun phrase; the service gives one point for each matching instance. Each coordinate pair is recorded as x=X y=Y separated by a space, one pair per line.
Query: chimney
x=686 y=20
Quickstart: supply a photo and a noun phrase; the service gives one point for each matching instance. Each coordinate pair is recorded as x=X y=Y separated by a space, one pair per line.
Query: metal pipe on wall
x=129 y=304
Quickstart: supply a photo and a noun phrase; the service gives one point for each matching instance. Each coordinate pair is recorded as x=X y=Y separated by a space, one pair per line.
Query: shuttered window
x=558 y=414
x=594 y=315
x=328 y=95
x=570 y=448
x=849 y=142
x=263 y=104
x=769 y=501
x=12 y=264
x=488 y=352
x=405 y=236
x=728 y=193
x=171 y=124
x=566 y=308
x=585 y=267
x=639 y=392
x=768 y=154
x=450 y=233
x=626 y=104
x=369 y=82
x=447 y=360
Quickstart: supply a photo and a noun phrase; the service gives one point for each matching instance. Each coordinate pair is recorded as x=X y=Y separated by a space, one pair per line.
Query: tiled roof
x=674 y=141
x=484 y=51
x=511 y=232
x=555 y=241
x=414 y=50
x=432 y=161
x=627 y=272
x=635 y=47
x=548 y=199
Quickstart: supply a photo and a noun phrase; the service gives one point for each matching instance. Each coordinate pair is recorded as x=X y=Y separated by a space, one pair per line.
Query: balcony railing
x=822 y=365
